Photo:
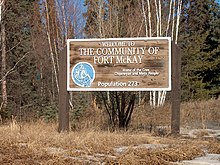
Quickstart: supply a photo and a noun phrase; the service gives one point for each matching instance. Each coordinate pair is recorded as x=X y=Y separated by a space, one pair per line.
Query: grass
x=40 y=143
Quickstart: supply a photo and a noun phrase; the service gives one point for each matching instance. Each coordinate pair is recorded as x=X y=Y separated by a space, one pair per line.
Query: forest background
x=34 y=32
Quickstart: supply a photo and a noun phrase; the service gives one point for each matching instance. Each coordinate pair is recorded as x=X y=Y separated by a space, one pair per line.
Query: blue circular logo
x=83 y=74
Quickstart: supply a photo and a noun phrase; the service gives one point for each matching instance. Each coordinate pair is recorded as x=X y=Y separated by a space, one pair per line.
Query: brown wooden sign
x=122 y=64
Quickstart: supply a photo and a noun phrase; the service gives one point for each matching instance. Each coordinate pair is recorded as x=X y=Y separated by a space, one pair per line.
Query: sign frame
x=118 y=40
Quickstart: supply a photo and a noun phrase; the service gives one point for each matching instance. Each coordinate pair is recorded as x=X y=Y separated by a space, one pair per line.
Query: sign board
x=119 y=64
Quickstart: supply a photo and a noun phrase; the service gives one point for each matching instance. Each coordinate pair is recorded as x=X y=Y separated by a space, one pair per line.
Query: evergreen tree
x=20 y=82
x=201 y=49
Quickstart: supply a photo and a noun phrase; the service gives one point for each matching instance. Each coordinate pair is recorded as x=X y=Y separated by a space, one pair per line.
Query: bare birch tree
x=173 y=23
x=60 y=17
x=64 y=19
x=178 y=14
x=50 y=44
x=162 y=26
x=149 y=18
x=169 y=17
x=145 y=18
x=158 y=18
x=3 y=52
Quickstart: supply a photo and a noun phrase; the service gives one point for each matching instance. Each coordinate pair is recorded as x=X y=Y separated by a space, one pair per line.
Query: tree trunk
x=3 y=47
x=169 y=17
x=64 y=22
x=145 y=18
x=178 y=19
x=173 y=24
x=50 y=46
x=158 y=19
x=149 y=18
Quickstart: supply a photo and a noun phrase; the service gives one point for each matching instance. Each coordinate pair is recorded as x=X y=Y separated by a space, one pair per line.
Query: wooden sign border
x=115 y=40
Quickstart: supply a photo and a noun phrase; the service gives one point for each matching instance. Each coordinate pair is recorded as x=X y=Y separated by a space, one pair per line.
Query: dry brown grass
x=162 y=156
x=30 y=144
x=195 y=114
x=199 y=113
x=214 y=147
x=40 y=143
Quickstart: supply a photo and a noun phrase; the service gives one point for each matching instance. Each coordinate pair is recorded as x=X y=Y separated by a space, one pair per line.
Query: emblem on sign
x=83 y=74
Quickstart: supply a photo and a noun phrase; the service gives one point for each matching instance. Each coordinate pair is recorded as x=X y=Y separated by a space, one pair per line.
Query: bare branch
x=139 y=31
x=13 y=68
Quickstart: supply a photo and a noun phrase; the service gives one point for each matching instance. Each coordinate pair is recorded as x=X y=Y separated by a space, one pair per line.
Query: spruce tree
x=19 y=56
x=200 y=49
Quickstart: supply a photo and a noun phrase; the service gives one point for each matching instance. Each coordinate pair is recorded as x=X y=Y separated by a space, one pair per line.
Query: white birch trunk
x=178 y=19
x=160 y=18
x=149 y=18
x=100 y=18
x=173 y=24
x=101 y=35
x=50 y=46
x=1 y=4
x=169 y=17
x=154 y=99
x=158 y=99
x=64 y=21
x=58 y=40
x=158 y=34
x=163 y=98
x=108 y=96
x=151 y=103
x=175 y=8
x=52 y=85
x=3 y=47
x=56 y=54
x=145 y=18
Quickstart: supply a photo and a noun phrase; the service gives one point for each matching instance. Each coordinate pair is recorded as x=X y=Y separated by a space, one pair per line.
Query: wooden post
x=176 y=92
x=63 y=113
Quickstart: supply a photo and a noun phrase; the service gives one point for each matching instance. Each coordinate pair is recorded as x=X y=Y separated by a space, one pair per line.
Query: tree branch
x=13 y=68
